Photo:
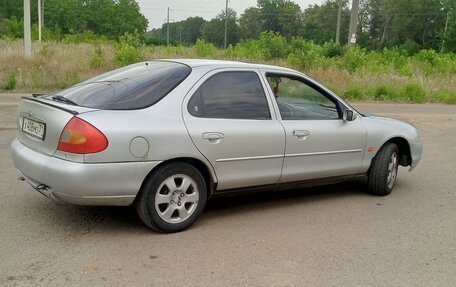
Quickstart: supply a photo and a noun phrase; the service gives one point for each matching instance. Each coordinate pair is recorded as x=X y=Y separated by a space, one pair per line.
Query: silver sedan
x=166 y=135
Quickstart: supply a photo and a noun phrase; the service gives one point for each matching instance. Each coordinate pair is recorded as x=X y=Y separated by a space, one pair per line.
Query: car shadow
x=83 y=219
x=224 y=205
x=239 y=199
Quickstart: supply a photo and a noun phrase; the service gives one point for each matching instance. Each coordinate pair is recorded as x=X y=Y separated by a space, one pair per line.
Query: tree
x=320 y=22
x=282 y=16
x=213 y=31
x=250 y=23
x=449 y=30
x=183 y=32
x=191 y=29
x=111 y=18
x=388 y=23
x=11 y=8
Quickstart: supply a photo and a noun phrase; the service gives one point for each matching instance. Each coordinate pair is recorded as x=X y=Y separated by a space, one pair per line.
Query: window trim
x=192 y=93
x=309 y=83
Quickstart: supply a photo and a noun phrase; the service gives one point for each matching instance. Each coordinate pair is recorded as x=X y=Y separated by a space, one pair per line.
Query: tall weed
x=128 y=49
x=10 y=83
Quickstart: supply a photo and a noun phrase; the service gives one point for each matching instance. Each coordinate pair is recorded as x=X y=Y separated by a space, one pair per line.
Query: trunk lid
x=40 y=122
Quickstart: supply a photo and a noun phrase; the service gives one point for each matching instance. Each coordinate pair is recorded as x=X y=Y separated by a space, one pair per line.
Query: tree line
x=108 y=18
x=408 y=24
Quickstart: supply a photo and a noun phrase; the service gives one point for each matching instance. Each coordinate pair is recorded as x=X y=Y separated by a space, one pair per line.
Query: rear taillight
x=80 y=137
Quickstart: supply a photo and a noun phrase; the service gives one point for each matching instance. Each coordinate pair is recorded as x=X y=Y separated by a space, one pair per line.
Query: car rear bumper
x=80 y=183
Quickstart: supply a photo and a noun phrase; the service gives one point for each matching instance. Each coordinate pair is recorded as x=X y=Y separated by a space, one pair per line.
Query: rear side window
x=132 y=87
x=230 y=95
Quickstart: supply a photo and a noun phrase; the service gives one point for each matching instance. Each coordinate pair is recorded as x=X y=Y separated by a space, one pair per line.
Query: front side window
x=299 y=101
x=230 y=95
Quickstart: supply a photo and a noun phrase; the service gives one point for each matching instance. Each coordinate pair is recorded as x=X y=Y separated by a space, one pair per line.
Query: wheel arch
x=209 y=179
x=405 y=157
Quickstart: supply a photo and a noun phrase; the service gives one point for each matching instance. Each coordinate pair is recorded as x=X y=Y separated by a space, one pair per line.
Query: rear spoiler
x=35 y=99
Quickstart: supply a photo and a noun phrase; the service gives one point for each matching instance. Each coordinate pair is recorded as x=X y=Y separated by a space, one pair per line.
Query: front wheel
x=172 y=198
x=383 y=172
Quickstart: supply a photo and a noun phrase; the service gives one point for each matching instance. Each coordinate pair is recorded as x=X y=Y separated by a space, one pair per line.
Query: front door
x=229 y=119
x=319 y=143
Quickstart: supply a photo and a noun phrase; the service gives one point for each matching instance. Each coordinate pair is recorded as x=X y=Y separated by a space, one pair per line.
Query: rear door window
x=230 y=95
x=133 y=87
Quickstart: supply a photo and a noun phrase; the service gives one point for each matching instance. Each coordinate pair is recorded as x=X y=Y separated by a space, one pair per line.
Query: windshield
x=131 y=87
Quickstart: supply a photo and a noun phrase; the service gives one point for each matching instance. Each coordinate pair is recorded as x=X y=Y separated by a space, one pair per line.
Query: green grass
x=356 y=74
x=10 y=83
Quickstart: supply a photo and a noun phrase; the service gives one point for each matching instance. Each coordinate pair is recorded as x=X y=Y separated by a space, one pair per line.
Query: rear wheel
x=172 y=198
x=383 y=172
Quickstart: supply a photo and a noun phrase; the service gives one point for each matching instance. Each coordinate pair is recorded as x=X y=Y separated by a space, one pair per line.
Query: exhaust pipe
x=42 y=188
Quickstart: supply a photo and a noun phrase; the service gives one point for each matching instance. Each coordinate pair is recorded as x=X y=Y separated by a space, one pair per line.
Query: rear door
x=230 y=120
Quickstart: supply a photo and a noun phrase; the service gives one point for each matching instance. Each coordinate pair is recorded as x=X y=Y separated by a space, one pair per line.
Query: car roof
x=194 y=63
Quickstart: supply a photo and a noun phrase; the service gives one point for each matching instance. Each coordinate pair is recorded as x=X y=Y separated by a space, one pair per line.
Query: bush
x=128 y=49
x=205 y=49
x=354 y=93
x=272 y=45
x=305 y=54
x=446 y=97
x=37 y=79
x=249 y=49
x=155 y=41
x=384 y=92
x=332 y=50
x=354 y=59
x=10 y=83
x=268 y=46
x=414 y=93
x=86 y=37
x=411 y=47
x=97 y=58
x=46 y=33
x=12 y=28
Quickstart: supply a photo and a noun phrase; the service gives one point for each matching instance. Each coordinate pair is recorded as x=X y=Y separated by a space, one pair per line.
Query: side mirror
x=349 y=115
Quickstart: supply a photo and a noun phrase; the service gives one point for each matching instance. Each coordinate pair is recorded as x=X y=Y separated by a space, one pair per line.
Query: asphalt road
x=336 y=235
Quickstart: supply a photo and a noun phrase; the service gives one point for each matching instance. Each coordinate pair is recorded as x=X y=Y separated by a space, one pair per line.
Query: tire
x=172 y=198
x=383 y=172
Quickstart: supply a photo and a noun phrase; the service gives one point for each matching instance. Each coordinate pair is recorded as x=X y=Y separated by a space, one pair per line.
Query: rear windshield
x=132 y=87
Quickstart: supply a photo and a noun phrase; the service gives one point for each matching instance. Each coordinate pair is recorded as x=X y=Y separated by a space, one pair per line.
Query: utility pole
x=226 y=22
x=353 y=24
x=444 y=32
x=339 y=12
x=27 y=33
x=39 y=20
x=167 y=30
x=42 y=12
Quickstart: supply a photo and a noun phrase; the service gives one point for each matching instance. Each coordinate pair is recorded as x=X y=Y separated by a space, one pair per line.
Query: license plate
x=33 y=128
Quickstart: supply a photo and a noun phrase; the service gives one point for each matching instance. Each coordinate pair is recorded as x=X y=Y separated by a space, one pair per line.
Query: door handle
x=214 y=137
x=300 y=134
